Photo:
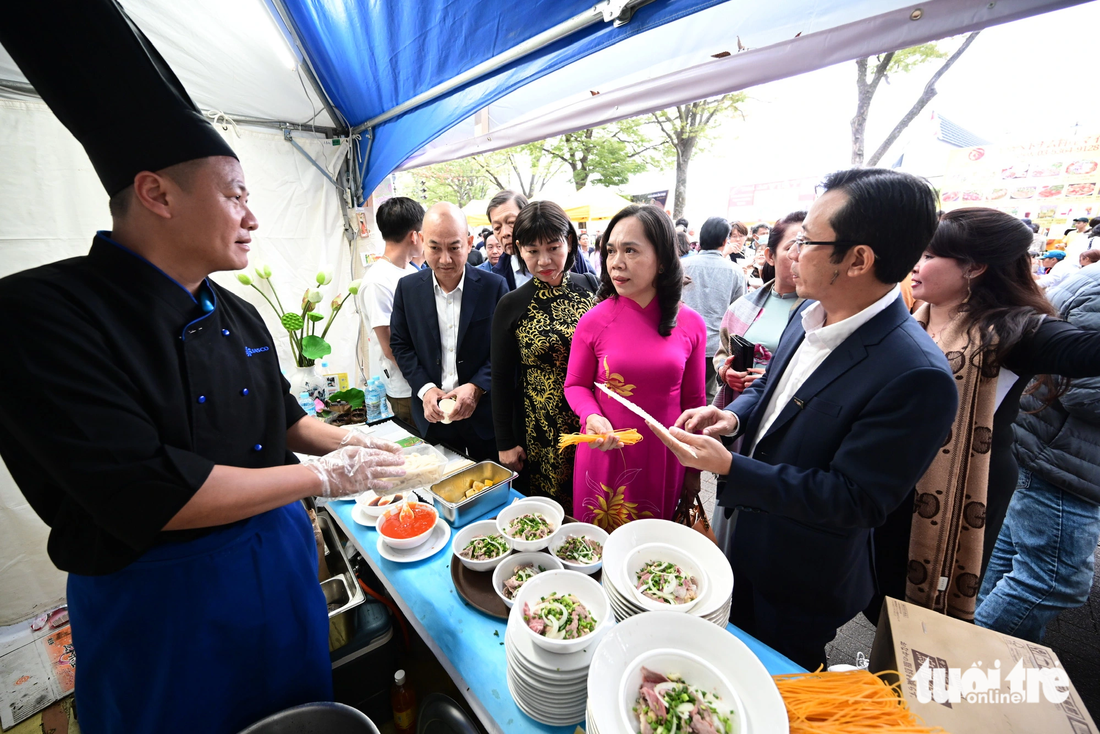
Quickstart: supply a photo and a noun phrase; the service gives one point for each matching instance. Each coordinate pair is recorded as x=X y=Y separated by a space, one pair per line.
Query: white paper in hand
x=650 y=421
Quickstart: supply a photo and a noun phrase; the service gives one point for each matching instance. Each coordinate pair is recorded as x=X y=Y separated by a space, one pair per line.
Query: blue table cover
x=470 y=644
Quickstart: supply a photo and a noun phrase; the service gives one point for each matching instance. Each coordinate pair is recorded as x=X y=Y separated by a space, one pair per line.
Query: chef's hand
x=354 y=469
x=513 y=458
x=432 y=413
x=608 y=440
x=711 y=455
x=709 y=420
x=354 y=438
x=466 y=398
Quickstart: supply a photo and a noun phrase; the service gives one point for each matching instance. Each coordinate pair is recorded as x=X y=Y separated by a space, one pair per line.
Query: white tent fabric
x=229 y=56
x=51 y=203
x=638 y=75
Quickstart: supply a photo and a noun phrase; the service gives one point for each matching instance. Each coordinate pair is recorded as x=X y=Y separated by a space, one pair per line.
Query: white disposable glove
x=354 y=438
x=355 y=469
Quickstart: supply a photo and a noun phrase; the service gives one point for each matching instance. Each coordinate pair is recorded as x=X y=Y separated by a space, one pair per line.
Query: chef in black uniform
x=159 y=447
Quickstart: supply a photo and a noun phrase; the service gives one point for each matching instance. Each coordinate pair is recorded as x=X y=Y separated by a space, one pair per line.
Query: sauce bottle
x=403 y=701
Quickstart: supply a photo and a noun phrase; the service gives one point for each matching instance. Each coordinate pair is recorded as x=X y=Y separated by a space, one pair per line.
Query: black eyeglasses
x=799 y=242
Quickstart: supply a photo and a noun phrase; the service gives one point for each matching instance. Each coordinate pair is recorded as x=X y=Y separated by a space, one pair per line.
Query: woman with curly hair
x=644 y=345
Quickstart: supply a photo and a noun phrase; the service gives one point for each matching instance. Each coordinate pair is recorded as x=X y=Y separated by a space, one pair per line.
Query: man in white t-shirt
x=399 y=222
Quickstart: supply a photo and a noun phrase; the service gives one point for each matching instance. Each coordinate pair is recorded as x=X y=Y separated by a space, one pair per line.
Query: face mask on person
x=762 y=239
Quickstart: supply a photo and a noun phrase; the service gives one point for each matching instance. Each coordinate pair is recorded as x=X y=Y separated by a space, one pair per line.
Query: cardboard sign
x=968 y=679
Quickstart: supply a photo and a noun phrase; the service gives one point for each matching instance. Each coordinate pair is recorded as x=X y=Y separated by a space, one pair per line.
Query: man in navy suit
x=851 y=411
x=440 y=327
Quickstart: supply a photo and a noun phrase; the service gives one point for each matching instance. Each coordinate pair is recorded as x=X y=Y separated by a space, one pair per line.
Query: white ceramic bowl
x=516 y=509
x=691 y=668
x=643 y=554
x=559 y=511
x=509 y=564
x=580 y=585
x=471 y=531
x=406 y=543
x=587 y=530
x=364 y=500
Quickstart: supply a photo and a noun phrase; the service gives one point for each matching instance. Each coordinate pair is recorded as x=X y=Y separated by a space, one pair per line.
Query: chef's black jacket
x=122 y=391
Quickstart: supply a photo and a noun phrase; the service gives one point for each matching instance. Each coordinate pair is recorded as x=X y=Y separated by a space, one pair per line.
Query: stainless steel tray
x=342 y=590
x=449 y=492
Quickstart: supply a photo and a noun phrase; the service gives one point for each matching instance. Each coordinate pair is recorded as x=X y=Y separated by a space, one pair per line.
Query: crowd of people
x=866 y=394
x=944 y=451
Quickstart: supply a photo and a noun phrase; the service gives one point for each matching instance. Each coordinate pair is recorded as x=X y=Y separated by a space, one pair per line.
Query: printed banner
x=1049 y=181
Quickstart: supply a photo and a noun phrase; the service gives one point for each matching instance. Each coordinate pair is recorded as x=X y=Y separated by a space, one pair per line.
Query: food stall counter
x=468 y=643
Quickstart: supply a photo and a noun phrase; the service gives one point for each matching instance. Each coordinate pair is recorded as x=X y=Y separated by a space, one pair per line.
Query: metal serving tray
x=449 y=492
x=342 y=590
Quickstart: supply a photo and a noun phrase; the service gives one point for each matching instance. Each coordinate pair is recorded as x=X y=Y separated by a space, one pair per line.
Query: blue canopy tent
x=414 y=83
x=371 y=59
x=403 y=74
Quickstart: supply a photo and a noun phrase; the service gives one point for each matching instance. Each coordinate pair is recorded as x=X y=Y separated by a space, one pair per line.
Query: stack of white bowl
x=714 y=602
x=671 y=643
x=548 y=679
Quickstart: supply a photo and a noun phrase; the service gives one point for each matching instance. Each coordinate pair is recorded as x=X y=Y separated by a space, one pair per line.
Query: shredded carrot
x=852 y=702
x=628 y=437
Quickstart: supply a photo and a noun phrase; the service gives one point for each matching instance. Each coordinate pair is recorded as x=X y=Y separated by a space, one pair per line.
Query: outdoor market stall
x=478 y=640
x=352 y=99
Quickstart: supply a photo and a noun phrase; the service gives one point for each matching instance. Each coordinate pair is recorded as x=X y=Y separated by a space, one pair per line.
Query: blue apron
x=206 y=636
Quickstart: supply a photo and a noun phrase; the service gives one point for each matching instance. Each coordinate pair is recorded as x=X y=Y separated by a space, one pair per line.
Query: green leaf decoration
x=314 y=347
x=316 y=317
x=293 y=322
x=353 y=396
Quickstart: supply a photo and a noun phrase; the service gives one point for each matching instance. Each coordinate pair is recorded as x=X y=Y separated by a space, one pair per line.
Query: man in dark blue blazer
x=853 y=407
x=440 y=329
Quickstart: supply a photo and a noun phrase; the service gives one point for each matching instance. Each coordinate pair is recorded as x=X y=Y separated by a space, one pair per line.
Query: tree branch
x=880 y=71
x=925 y=97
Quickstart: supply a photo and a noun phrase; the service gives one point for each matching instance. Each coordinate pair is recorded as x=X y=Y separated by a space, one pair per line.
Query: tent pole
x=366 y=160
x=618 y=11
x=290 y=139
x=284 y=18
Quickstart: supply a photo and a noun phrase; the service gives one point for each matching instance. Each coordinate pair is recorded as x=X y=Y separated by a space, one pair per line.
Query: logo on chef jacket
x=249 y=351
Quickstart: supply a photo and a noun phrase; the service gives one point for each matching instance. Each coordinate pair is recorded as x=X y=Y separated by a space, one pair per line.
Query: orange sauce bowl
x=403 y=532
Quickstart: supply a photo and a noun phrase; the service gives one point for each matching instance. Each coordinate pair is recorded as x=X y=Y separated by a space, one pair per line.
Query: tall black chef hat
x=107 y=83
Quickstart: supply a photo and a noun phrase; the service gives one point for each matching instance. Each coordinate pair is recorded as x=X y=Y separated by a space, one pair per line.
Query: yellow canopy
x=475 y=213
x=594 y=202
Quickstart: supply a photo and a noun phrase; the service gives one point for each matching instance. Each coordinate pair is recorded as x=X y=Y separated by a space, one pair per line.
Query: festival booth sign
x=971 y=680
x=1049 y=181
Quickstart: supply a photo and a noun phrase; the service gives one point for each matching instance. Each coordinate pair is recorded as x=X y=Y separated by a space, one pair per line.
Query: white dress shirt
x=448 y=309
x=819 y=343
x=521 y=278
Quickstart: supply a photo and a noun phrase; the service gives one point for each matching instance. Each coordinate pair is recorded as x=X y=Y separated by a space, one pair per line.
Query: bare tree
x=896 y=61
x=532 y=166
x=686 y=127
